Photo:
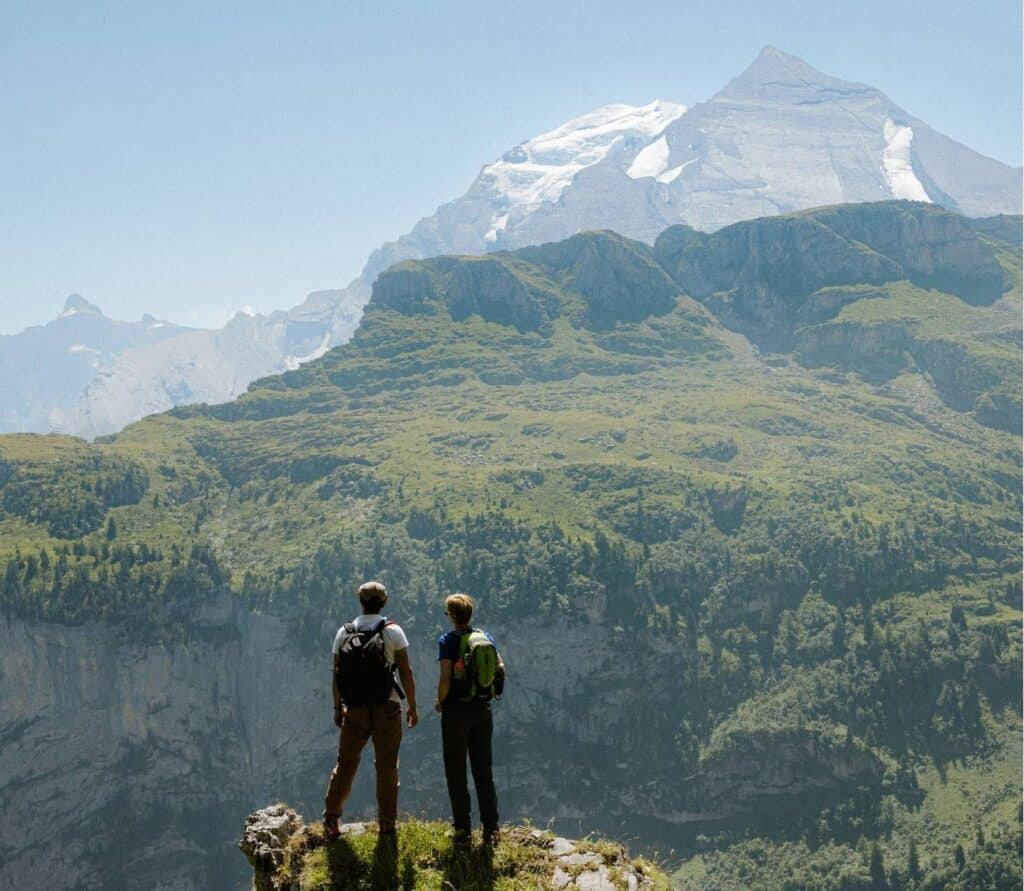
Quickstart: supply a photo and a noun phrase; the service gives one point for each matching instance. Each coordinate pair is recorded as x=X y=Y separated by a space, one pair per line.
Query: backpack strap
x=379 y=629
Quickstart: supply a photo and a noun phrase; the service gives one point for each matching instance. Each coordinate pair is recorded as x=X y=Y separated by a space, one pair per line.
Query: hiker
x=472 y=673
x=368 y=705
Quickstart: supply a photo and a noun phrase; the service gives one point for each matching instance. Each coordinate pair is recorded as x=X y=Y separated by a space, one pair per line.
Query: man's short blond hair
x=372 y=595
x=459 y=607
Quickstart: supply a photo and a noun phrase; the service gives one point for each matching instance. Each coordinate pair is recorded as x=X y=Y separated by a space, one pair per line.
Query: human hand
x=437 y=706
x=412 y=717
x=339 y=715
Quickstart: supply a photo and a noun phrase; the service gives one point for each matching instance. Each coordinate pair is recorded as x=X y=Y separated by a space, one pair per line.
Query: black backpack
x=362 y=672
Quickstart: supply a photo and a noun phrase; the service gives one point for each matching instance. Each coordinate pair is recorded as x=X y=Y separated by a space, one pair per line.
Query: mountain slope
x=777 y=591
x=780 y=137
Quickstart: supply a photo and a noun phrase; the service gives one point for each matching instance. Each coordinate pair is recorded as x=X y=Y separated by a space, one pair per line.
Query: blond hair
x=459 y=607
x=372 y=596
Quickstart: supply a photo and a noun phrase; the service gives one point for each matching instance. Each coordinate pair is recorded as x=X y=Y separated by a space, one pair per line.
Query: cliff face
x=154 y=748
x=759 y=277
x=160 y=749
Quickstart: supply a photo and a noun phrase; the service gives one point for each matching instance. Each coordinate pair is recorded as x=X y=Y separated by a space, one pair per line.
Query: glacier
x=896 y=162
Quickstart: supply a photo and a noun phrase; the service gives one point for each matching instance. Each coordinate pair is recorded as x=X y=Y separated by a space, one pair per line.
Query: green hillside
x=781 y=460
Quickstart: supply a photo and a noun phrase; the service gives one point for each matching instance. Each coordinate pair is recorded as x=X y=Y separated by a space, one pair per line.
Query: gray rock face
x=265 y=841
x=780 y=137
x=162 y=749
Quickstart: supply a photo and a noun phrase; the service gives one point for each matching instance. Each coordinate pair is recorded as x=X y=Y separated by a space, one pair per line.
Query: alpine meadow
x=743 y=507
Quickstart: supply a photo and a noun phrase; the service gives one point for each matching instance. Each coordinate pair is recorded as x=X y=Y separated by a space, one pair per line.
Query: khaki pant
x=383 y=724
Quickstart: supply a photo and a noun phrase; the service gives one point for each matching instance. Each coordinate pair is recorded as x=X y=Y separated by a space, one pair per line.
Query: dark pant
x=382 y=724
x=467 y=729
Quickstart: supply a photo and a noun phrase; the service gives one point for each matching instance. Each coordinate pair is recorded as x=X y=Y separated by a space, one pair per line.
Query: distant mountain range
x=780 y=137
x=47 y=368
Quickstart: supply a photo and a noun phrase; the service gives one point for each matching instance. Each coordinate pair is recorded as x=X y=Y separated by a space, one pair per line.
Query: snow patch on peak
x=899 y=171
x=498 y=224
x=293 y=362
x=651 y=161
x=670 y=175
x=540 y=169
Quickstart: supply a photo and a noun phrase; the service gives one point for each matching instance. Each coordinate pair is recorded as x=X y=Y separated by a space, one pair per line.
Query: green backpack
x=479 y=660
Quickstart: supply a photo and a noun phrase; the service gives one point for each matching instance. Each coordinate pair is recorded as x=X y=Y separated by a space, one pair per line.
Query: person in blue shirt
x=466 y=728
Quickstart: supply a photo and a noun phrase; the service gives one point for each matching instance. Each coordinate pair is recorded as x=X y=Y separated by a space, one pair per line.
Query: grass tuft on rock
x=422 y=856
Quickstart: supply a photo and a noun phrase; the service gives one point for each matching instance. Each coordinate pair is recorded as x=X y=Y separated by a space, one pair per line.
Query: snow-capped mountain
x=781 y=136
x=212 y=365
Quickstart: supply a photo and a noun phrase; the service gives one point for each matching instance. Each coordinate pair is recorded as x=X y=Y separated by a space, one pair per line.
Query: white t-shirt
x=394 y=640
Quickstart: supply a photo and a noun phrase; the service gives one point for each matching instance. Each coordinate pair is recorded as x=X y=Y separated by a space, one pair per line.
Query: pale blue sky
x=188 y=159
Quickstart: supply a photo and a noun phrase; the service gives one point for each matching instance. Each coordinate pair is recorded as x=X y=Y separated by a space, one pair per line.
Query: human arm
x=339 y=708
x=408 y=682
x=444 y=683
x=500 y=677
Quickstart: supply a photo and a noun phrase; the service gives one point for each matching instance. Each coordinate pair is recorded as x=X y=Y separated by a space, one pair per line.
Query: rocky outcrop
x=595 y=279
x=877 y=352
x=752 y=768
x=764 y=277
x=265 y=841
x=277 y=834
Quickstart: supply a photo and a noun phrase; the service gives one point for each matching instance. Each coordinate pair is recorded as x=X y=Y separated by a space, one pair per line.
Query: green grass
x=424 y=858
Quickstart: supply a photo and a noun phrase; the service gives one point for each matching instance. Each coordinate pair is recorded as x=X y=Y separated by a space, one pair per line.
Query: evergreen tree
x=111 y=529
x=869 y=626
x=877 y=868
x=913 y=861
x=959 y=857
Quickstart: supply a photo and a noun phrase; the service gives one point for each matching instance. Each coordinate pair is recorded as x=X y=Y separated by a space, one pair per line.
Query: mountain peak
x=774 y=70
x=76 y=304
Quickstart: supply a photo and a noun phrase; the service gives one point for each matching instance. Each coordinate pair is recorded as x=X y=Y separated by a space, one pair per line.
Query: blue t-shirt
x=448 y=644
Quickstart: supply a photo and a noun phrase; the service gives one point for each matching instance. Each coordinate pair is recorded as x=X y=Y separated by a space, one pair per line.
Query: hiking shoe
x=462 y=838
x=492 y=838
x=331 y=828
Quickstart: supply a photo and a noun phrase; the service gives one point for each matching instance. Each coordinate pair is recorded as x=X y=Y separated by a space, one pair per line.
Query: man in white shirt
x=367 y=654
